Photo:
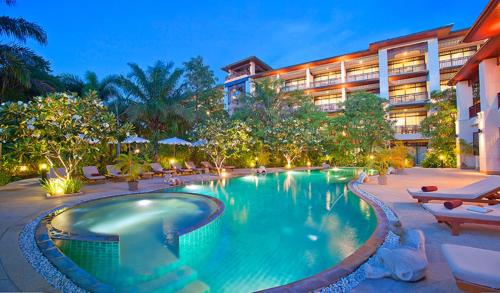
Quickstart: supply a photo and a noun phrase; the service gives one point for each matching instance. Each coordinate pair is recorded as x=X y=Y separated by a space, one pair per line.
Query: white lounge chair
x=474 y=269
x=460 y=215
x=159 y=170
x=485 y=191
x=115 y=173
x=92 y=174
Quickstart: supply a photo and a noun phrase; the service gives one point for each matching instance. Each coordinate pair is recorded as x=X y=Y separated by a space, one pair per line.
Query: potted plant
x=129 y=164
x=380 y=162
x=398 y=157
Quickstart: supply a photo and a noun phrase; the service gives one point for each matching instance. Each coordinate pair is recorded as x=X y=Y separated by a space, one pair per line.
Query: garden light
x=136 y=151
x=172 y=161
x=371 y=157
x=43 y=166
x=23 y=168
x=308 y=163
x=252 y=164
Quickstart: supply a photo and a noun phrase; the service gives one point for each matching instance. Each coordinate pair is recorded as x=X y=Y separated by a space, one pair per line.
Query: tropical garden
x=67 y=121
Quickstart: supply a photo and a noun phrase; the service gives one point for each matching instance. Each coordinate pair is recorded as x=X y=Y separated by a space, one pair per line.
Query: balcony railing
x=408 y=98
x=453 y=62
x=237 y=74
x=294 y=87
x=326 y=82
x=407 y=129
x=407 y=69
x=363 y=76
x=474 y=109
x=333 y=107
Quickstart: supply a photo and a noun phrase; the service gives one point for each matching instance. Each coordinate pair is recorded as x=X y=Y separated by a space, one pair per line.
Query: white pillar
x=342 y=72
x=489 y=117
x=465 y=127
x=309 y=78
x=226 y=99
x=252 y=68
x=344 y=94
x=383 y=73
x=433 y=64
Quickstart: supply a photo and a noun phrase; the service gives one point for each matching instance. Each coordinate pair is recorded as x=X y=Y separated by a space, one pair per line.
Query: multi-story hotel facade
x=403 y=70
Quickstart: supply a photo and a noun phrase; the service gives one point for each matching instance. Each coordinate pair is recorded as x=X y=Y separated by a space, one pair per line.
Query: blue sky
x=104 y=35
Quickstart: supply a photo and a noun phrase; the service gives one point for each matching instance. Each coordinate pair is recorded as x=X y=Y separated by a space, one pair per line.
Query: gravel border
x=349 y=282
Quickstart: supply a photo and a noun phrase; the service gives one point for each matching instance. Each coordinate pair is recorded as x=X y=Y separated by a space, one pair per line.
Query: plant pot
x=133 y=185
x=382 y=179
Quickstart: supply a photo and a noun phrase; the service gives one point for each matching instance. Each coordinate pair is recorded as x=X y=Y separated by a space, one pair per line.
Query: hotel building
x=478 y=94
x=403 y=70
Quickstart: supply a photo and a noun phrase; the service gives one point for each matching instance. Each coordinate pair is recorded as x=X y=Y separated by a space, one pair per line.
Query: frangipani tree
x=291 y=136
x=61 y=128
x=224 y=139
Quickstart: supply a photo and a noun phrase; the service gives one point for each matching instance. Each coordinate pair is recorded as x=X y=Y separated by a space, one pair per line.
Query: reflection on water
x=275 y=229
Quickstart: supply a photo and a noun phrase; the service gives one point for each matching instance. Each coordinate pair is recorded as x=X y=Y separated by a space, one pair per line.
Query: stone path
x=412 y=215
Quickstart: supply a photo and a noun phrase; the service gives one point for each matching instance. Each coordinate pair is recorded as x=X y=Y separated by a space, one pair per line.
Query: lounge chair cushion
x=96 y=177
x=473 y=265
x=438 y=209
x=471 y=191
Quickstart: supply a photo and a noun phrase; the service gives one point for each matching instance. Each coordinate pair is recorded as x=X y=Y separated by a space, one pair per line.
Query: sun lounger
x=484 y=191
x=159 y=170
x=92 y=174
x=209 y=166
x=190 y=165
x=114 y=173
x=460 y=215
x=474 y=269
x=56 y=173
x=178 y=168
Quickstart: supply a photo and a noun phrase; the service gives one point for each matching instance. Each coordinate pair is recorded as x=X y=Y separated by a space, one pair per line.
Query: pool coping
x=339 y=278
x=351 y=263
x=59 y=270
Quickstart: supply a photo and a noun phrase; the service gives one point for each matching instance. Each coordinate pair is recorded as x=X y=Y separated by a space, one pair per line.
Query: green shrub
x=438 y=160
x=62 y=186
x=5 y=177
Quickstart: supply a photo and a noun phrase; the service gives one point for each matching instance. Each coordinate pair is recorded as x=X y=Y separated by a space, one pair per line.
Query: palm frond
x=22 y=30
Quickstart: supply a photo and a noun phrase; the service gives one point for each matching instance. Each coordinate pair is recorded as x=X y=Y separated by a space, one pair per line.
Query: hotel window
x=417 y=90
x=457 y=54
x=362 y=70
x=397 y=65
x=327 y=76
x=328 y=99
x=236 y=92
x=295 y=84
x=407 y=122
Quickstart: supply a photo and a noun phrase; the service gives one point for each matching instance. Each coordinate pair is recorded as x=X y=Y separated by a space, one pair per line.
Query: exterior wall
x=465 y=127
x=433 y=65
x=383 y=73
x=489 y=117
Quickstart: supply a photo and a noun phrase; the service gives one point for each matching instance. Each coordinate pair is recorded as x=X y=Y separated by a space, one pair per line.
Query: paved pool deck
x=23 y=201
x=413 y=215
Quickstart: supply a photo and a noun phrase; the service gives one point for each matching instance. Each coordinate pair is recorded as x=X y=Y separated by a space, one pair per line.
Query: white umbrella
x=200 y=142
x=135 y=139
x=175 y=141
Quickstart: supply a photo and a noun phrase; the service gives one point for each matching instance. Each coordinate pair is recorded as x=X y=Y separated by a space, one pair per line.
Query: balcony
x=320 y=83
x=294 y=87
x=333 y=107
x=363 y=76
x=474 y=109
x=453 y=62
x=408 y=98
x=237 y=74
x=407 y=129
x=407 y=69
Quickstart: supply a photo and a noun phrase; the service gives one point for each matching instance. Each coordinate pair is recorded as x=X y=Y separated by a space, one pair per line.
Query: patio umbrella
x=174 y=141
x=199 y=142
x=134 y=139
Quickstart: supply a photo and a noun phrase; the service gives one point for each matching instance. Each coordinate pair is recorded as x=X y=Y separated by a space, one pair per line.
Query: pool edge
x=328 y=277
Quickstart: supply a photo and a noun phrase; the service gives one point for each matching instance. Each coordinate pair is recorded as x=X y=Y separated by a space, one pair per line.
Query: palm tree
x=17 y=62
x=155 y=104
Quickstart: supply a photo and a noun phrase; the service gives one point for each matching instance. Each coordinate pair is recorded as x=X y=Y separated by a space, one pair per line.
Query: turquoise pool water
x=275 y=229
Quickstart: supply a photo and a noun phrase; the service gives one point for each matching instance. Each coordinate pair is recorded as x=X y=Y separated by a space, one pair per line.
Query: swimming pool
x=275 y=229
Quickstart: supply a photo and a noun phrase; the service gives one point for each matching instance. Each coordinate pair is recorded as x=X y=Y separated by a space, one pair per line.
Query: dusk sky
x=103 y=36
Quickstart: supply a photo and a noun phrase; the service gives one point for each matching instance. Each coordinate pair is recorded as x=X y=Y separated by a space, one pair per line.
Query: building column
x=252 y=68
x=464 y=126
x=432 y=61
x=226 y=98
x=342 y=72
x=489 y=117
x=383 y=73
x=309 y=78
